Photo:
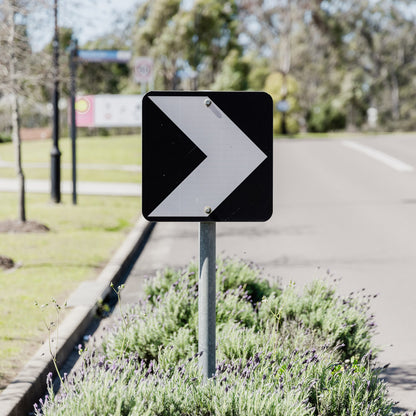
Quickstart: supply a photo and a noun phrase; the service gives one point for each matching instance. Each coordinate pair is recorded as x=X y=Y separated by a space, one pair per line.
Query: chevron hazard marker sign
x=207 y=156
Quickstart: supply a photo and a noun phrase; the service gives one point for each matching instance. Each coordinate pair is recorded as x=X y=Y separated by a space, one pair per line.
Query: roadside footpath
x=83 y=188
x=18 y=398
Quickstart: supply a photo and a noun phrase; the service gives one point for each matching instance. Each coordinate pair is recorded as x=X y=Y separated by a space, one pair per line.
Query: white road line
x=388 y=160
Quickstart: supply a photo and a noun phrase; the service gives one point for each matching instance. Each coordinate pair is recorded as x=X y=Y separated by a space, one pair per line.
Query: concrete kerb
x=18 y=398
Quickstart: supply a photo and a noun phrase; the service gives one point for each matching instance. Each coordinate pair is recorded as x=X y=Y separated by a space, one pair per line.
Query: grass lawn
x=120 y=150
x=81 y=240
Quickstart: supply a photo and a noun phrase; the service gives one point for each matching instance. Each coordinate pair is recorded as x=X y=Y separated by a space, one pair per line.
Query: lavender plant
x=244 y=298
x=279 y=353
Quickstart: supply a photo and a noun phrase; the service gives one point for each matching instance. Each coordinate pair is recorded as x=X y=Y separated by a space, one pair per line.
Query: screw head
x=207 y=102
x=207 y=210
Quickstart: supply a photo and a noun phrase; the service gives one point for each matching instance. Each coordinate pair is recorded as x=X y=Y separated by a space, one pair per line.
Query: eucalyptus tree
x=191 y=40
x=285 y=32
x=212 y=40
x=376 y=55
x=343 y=53
x=19 y=74
x=157 y=33
x=14 y=52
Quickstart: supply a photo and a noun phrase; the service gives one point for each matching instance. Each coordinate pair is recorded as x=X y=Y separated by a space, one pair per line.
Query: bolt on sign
x=207 y=156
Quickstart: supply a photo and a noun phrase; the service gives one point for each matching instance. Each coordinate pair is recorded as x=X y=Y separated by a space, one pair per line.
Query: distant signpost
x=98 y=55
x=283 y=106
x=143 y=69
x=84 y=113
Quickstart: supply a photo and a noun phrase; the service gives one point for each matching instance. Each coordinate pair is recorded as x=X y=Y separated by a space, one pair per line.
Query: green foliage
x=284 y=87
x=274 y=355
x=107 y=77
x=320 y=44
x=234 y=73
x=213 y=35
x=300 y=383
x=342 y=321
x=247 y=301
x=324 y=118
x=102 y=78
x=259 y=72
x=5 y=138
x=159 y=32
x=199 y=38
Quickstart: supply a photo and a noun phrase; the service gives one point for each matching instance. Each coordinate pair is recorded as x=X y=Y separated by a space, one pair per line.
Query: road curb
x=20 y=395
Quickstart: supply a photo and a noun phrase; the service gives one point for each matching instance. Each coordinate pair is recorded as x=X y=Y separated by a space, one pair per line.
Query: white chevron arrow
x=231 y=156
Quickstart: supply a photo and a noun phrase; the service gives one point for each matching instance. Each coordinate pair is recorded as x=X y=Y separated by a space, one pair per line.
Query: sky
x=88 y=18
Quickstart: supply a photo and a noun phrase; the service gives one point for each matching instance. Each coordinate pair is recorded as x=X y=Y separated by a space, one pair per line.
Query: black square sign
x=207 y=156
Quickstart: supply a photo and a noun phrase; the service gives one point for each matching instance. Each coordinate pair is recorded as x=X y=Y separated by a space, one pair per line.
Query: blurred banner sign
x=143 y=69
x=108 y=110
x=104 y=56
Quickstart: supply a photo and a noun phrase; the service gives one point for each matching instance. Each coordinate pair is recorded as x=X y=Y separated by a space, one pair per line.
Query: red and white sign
x=84 y=111
x=108 y=110
x=143 y=69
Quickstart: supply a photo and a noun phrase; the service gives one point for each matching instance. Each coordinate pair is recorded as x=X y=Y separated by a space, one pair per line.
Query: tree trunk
x=395 y=97
x=18 y=155
x=15 y=111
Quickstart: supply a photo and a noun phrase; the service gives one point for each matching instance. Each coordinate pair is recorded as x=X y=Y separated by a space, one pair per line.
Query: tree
x=234 y=74
x=103 y=78
x=14 y=48
x=16 y=75
x=284 y=121
x=186 y=41
x=212 y=40
x=344 y=55
x=280 y=30
x=157 y=33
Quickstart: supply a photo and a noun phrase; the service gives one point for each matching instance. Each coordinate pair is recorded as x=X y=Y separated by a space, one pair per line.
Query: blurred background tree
x=331 y=60
x=20 y=76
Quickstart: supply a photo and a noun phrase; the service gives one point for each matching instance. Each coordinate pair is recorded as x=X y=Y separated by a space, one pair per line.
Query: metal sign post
x=207 y=149
x=207 y=158
x=206 y=298
x=55 y=152
x=73 y=53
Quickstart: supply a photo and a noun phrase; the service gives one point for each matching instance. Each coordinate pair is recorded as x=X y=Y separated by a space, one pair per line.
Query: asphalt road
x=343 y=206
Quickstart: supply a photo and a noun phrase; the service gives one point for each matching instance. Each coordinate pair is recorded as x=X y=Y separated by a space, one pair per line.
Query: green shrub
x=279 y=353
x=5 y=138
x=325 y=117
x=300 y=382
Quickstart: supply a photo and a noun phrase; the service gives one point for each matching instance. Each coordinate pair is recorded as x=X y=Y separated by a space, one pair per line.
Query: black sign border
x=252 y=112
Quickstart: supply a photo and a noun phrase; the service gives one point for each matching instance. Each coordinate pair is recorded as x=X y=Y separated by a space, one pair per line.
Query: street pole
x=206 y=298
x=283 y=124
x=73 y=53
x=55 y=153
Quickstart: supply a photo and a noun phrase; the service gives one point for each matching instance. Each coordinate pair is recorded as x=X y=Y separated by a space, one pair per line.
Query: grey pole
x=206 y=298
x=73 y=53
x=55 y=152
